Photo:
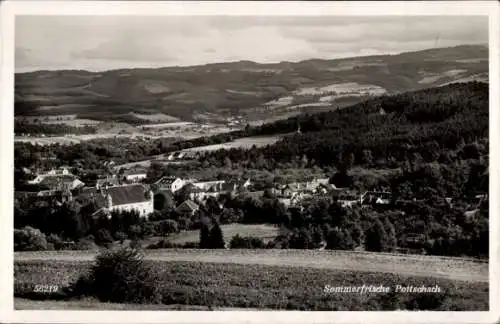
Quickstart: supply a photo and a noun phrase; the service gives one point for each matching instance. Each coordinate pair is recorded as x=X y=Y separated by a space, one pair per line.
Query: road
x=406 y=265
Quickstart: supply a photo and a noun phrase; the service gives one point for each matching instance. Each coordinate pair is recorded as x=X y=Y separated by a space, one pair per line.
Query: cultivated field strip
x=409 y=265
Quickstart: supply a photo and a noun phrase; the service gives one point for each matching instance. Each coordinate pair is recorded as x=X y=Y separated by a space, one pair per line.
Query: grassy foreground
x=264 y=287
x=405 y=265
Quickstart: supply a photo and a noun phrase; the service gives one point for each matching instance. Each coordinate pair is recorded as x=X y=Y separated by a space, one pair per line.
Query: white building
x=171 y=183
x=135 y=177
x=125 y=198
x=215 y=186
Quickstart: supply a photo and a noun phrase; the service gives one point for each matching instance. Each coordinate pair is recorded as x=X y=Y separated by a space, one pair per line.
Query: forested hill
x=248 y=90
x=438 y=124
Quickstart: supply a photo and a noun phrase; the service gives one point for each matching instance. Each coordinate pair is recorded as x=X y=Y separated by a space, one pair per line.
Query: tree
x=335 y=239
x=103 y=236
x=392 y=241
x=204 y=236
x=216 y=237
x=376 y=238
x=163 y=202
x=120 y=276
x=367 y=157
x=169 y=226
x=29 y=239
x=121 y=236
x=301 y=239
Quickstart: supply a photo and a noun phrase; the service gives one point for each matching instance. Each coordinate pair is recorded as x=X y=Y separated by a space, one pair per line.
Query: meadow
x=244 y=142
x=263 y=231
x=263 y=286
x=405 y=265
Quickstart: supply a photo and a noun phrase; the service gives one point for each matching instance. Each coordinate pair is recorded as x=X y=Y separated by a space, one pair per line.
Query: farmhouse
x=44 y=198
x=188 y=207
x=62 y=171
x=376 y=198
x=171 y=183
x=212 y=186
x=134 y=176
x=58 y=182
x=108 y=181
x=347 y=199
x=125 y=198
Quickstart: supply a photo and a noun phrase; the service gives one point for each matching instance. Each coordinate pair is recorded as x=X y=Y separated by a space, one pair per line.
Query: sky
x=97 y=43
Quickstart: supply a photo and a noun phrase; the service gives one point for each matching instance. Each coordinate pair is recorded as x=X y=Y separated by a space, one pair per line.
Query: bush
x=169 y=226
x=166 y=244
x=247 y=242
x=56 y=241
x=120 y=276
x=103 y=237
x=121 y=236
x=29 y=239
x=162 y=244
x=86 y=243
x=191 y=245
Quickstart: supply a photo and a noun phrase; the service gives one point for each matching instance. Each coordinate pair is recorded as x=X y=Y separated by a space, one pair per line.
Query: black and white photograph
x=250 y=162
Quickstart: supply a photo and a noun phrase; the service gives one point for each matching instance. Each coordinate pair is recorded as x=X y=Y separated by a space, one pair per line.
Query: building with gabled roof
x=171 y=183
x=125 y=198
x=188 y=207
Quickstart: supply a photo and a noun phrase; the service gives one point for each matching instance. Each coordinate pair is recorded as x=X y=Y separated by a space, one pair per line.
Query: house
x=108 y=181
x=231 y=186
x=60 y=172
x=287 y=202
x=125 y=198
x=188 y=207
x=171 y=183
x=246 y=184
x=43 y=198
x=320 y=182
x=300 y=196
x=63 y=170
x=347 y=199
x=57 y=182
x=134 y=176
x=376 y=198
x=26 y=170
x=212 y=186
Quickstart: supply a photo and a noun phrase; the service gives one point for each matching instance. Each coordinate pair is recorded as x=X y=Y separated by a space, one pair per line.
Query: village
x=129 y=190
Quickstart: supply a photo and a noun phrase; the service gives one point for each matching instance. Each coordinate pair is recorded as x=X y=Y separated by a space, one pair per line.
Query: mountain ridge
x=249 y=91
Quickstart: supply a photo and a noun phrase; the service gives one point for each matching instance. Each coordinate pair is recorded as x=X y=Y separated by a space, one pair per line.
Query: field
x=156 y=117
x=264 y=286
x=245 y=142
x=179 y=130
x=70 y=120
x=265 y=232
x=409 y=265
x=351 y=88
x=92 y=304
x=74 y=139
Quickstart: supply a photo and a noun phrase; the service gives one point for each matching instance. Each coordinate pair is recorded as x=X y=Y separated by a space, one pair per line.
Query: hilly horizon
x=245 y=91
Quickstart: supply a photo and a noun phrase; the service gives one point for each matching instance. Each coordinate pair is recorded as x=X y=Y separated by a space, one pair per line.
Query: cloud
x=127 y=49
x=395 y=29
x=105 y=42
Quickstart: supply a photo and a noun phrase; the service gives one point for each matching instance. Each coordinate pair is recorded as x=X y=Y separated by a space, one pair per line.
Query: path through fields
x=406 y=265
